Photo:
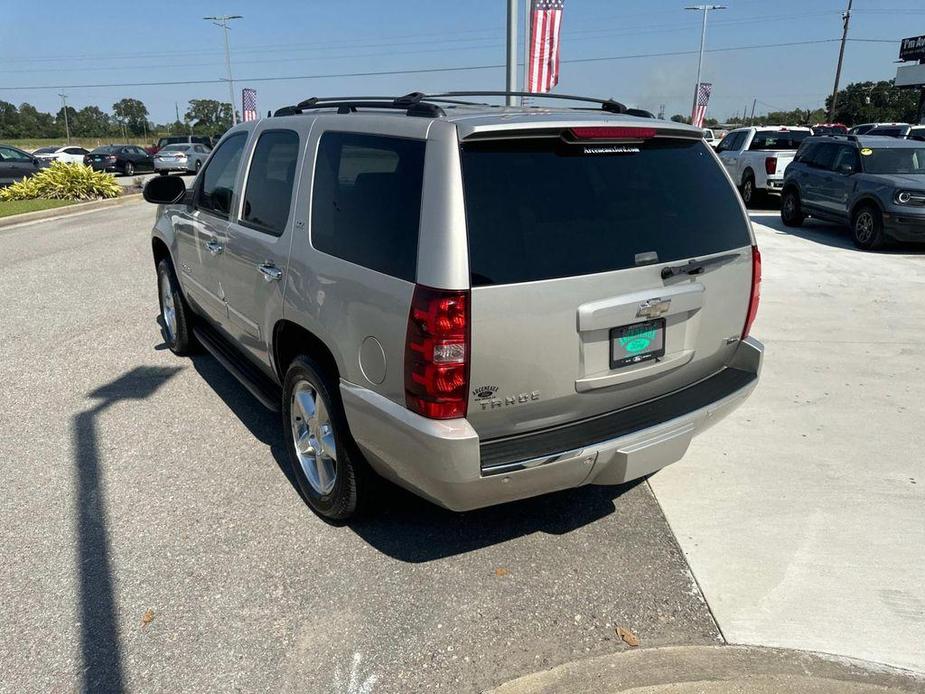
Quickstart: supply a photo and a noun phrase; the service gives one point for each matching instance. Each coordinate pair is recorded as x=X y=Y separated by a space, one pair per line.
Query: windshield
x=893 y=160
x=778 y=139
x=540 y=209
x=176 y=148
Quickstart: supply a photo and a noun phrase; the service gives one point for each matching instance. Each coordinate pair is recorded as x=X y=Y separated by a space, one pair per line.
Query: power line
x=411 y=71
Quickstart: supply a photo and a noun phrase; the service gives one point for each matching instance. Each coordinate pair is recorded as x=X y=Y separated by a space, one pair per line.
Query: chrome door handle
x=270 y=272
x=214 y=247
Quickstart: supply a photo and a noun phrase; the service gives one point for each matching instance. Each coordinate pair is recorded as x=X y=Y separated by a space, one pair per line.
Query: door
x=201 y=230
x=14 y=165
x=728 y=152
x=257 y=246
x=819 y=163
x=579 y=303
x=837 y=183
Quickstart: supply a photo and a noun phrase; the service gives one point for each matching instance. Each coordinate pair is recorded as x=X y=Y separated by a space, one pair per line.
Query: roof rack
x=425 y=105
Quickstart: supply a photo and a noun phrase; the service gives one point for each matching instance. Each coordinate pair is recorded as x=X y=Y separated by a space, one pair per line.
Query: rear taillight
x=111 y=158
x=770 y=165
x=437 y=353
x=612 y=133
x=756 y=291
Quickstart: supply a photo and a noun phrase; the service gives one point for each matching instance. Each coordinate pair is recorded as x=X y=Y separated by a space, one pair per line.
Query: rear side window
x=823 y=155
x=540 y=209
x=366 y=201
x=886 y=132
x=219 y=176
x=778 y=139
x=270 y=181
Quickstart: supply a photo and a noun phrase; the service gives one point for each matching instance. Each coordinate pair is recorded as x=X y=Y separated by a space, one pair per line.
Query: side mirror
x=164 y=190
x=846 y=169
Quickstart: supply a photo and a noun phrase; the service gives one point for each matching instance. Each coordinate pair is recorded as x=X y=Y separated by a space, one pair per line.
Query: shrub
x=62 y=181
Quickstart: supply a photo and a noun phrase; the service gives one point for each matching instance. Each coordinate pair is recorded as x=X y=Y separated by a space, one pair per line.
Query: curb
x=717 y=670
x=67 y=211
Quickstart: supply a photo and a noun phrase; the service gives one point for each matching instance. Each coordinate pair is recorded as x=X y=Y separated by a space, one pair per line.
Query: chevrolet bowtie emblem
x=653 y=308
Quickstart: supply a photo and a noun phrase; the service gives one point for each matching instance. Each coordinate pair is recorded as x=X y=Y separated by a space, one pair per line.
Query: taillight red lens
x=770 y=165
x=611 y=133
x=437 y=353
x=756 y=292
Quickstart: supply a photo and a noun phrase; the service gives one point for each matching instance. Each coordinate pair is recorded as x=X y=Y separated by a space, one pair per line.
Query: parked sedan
x=16 y=164
x=126 y=159
x=903 y=131
x=68 y=154
x=187 y=157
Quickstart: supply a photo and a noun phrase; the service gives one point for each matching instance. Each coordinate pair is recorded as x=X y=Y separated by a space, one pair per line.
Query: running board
x=259 y=385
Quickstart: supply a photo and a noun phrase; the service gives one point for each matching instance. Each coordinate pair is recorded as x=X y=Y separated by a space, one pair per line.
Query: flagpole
x=511 y=51
x=527 y=17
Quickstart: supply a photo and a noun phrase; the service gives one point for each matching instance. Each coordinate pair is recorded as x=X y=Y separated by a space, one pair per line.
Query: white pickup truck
x=757 y=157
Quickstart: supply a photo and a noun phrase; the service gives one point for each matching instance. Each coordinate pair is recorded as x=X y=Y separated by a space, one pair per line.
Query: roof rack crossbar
x=412 y=106
x=610 y=105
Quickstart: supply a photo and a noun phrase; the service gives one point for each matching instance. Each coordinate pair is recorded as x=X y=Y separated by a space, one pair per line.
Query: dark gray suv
x=875 y=184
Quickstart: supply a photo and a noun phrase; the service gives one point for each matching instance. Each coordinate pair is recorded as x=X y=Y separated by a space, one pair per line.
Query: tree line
x=129 y=117
x=859 y=102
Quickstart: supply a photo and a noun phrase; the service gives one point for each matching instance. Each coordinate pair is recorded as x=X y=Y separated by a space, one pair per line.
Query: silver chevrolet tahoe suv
x=479 y=303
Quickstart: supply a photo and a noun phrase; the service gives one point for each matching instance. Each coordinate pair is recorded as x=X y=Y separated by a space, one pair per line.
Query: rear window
x=366 y=201
x=541 y=209
x=886 y=132
x=778 y=139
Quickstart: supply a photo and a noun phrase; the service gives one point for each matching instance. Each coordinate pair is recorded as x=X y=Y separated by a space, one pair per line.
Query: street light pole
x=67 y=127
x=223 y=23
x=703 y=35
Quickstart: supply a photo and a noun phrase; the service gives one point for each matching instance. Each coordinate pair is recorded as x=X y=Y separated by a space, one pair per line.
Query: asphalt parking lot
x=152 y=540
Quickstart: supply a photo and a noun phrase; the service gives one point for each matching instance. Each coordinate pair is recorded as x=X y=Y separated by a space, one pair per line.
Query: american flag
x=700 y=108
x=249 y=103
x=545 y=20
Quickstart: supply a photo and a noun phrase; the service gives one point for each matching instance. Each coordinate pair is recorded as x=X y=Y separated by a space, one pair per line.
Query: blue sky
x=55 y=43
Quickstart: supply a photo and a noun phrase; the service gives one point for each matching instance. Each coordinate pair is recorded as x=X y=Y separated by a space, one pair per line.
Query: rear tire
x=749 y=192
x=791 y=214
x=325 y=460
x=129 y=168
x=867 y=228
x=175 y=313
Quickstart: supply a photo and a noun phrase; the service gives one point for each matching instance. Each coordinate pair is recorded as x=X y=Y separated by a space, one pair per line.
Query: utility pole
x=511 y=82
x=846 y=18
x=703 y=35
x=223 y=23
x=751 y=121
x=67 y=127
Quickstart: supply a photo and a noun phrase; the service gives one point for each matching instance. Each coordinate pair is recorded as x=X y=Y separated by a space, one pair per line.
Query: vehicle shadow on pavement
x=407 y=527
x=830 y=234
x=99 y=636
x=411 y=529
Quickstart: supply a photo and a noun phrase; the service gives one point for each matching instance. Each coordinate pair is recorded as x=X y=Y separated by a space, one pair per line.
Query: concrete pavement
x=136 y=481
x=803 y=515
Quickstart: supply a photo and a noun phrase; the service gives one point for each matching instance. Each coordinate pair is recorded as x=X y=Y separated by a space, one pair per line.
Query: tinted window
x=75 y=150
x=47 y=150
x=176 y=148
x=917 y=133
x=823 y=155
x=895 y=160
x=805 y=153
x=270 y=181
x=218 y=179
x=846 y=156
x=540 y=209
x=887 y=132
x=11 y=154
x=778 y=139
x=366 y=201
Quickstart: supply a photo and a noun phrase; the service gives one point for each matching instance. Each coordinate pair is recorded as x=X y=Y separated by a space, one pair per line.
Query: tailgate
x=576 y=310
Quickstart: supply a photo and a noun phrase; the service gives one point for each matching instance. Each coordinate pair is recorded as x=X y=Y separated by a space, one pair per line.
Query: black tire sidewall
x=749 y=201
x=128 y=168
x=796 y=219
x=347 y=497
x=181 y=342
x=876 y=240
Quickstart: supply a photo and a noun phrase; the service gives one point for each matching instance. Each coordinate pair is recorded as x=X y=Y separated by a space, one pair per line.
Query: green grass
x=21 y=206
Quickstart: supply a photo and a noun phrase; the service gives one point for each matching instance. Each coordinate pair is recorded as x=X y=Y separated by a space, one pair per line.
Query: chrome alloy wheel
x=168 y=310
x=864 y=226
x=313 y=437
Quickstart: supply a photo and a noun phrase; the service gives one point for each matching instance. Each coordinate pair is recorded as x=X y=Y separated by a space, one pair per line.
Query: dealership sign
x=912 y=48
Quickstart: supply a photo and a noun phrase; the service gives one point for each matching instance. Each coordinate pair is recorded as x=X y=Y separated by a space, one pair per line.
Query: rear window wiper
x=695 y=267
